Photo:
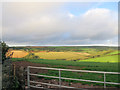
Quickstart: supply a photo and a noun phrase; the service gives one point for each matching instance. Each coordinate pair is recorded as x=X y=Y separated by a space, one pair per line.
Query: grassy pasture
x=106 y=55
x=114 y=52
x=110 y=59
x=93 y=58
x=65 y=53
x=93 y=66
x=82 y=75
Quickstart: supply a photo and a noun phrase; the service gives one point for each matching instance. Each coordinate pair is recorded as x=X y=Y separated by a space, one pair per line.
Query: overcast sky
x=64 y=23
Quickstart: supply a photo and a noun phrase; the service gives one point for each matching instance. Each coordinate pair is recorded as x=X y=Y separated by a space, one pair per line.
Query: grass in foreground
x=81 y=75
x=95 y=66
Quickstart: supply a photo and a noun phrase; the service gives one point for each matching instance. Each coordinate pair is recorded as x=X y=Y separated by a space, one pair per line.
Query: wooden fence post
x=14 y=70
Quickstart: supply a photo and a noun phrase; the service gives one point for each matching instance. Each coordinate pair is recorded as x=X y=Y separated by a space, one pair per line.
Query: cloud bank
x=49 y=24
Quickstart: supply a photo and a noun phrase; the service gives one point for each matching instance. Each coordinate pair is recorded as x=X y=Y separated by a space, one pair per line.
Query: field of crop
x=70 y=53
x=89 y=58
x=62 y=55
x=18 y=53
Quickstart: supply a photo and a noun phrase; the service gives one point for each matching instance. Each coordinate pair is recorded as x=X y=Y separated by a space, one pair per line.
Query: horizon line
x=64 y=45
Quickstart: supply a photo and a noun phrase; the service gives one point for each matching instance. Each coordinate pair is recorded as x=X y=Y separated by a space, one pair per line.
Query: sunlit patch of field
x=83 y=53
x=62 y=55
x=110 y=59
x=114 y=52
x=17 y=53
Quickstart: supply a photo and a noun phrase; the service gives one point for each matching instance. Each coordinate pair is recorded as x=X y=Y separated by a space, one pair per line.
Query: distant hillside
x=64 y=48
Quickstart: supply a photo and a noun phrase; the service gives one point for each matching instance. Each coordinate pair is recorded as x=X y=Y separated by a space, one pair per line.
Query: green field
x=94 y=66
x=83 y=58
x=86 y=76
x=92 y=55
x=114 y=52
x=109 y=59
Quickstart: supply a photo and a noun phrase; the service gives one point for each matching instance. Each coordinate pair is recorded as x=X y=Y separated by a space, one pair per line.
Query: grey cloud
x=48 y=24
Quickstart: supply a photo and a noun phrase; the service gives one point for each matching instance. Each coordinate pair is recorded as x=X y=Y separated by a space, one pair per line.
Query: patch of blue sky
x=78 y=8
x=109 y=5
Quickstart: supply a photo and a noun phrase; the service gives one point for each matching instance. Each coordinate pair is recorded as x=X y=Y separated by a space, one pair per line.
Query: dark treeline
x=63 y=48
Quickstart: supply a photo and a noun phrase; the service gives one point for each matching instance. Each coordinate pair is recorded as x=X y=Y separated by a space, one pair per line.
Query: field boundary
x=60 y=70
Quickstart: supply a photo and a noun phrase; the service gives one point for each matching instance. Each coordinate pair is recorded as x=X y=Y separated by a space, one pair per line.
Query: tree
x=9 y=81
x=4 y=50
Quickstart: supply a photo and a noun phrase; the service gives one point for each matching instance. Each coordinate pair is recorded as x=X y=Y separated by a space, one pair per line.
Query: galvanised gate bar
x=60 y=70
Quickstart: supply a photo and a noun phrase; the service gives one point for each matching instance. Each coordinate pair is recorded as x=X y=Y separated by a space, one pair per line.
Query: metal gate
x=60 y=70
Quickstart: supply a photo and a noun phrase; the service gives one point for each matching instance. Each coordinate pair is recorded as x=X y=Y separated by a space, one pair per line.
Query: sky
x=60 y=23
